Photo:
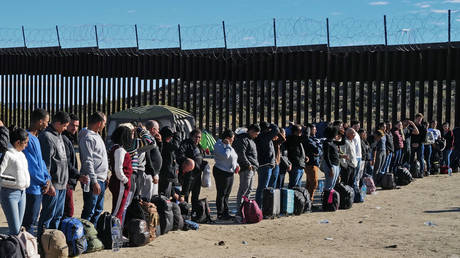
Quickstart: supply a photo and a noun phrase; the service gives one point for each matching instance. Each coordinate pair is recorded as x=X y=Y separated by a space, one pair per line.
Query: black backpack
x=178 y=222
x=388 y=181
x=164 y=208
x=302 y=200
x=186 y=210
x=415 y=170
x=11 y=247
x=201 y=213
x=347 y=195
x=403 y=176
x=105 y=223
x=138 y=232
x=330 y=200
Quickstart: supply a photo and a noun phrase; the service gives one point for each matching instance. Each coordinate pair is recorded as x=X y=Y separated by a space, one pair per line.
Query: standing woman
x=121 y=167
x=398 y=144
x=330 y=163
x=14 y=179
x=449 y=136
x=225 y=167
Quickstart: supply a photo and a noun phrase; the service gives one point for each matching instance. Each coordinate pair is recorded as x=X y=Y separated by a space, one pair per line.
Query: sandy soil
x=387 y=224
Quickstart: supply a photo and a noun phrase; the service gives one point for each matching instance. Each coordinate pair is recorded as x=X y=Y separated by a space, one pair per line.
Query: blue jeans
x=264 y=178
x=13 y=205
x=396 y=159
x=427 y=156
x=386 y=166
x=331 y=177
x=446 y=157
x=295 y=177
x=357 y=176
x=52 y=211
x=274 y=177
x=93 y=205
x=33 y=205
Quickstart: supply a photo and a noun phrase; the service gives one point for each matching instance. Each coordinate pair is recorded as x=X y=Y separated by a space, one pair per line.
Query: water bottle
x=86 y=187
x=320 y=186
x=449 y=171
x=116 y=239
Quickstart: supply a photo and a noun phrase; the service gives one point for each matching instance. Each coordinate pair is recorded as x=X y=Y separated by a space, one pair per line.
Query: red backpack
x=250 y=211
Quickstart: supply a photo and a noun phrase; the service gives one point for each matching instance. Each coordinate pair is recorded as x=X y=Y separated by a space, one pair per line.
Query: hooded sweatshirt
x=13 y=170
x=93 y=155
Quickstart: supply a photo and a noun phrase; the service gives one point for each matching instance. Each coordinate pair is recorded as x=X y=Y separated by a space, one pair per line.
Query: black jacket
x=246 y=149
x=330 y=153
x=169 y=164
x=265 y=149
x=154 y=160
x=74 y=174
x=295 y=151
x=188 y=149
x=390 y=143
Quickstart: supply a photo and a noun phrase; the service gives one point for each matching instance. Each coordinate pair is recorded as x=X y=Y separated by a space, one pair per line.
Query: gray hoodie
x=54 y=155
x=93 y=155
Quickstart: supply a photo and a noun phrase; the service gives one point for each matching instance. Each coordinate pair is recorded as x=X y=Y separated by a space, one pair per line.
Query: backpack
x=201 y=213
x=143 y=210
x=369 y=182
x=301 y=197
x=138 y=232
x=94 y=244
x=106 y=226
x=29 y=242
x=11 y=247
x=403 y=176
x=53 y=243
x=186 y=210
x=429 y=138
x=75 y=236
x=178 y=222
x=165 y=213
x=388 y=181
x=330 y=200
x=347 y=195
x=250 y=211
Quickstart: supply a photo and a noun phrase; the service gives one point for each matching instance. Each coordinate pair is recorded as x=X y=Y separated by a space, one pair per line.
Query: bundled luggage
x=271 y=203
x=444 y=170
x=287 y=201
x=330 y=200
x=186 y=210
x=190 y=225
x=369 y=182
x=415 y=170
x=53 y=243
x=138 y=232
x=94 y=244
x=29 y=244
x=165 y=213
x=403 y=176
x=108 y=228
x=75 y=236
x=302 y=200
x=347 y=195
x=360 y=193
x=178 y=222
x=388 y=181
x=250 y=211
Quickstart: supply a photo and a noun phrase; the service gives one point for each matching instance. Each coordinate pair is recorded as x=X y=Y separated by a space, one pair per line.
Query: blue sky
x=352 y=21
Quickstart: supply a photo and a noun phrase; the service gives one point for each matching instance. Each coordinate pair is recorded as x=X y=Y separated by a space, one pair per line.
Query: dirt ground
x=387 y=224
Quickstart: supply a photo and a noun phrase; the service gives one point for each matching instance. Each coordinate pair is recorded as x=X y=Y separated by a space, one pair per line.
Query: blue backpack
x=75 y=236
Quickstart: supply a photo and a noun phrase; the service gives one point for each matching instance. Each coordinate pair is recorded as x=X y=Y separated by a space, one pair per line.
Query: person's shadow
x=452 y=209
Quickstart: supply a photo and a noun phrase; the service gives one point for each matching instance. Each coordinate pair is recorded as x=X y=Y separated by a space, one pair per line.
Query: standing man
x=359 y=157
x=265 y=157
x=94 y=163
x=246 y=149
x=72 y=129
x=314 y=151
x=54 y=155
x=191 y=180
x=296 y=155
x=40 y=179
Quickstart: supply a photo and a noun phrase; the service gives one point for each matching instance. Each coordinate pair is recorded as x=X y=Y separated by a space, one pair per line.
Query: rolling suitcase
x=287 y=201
x=271 y=203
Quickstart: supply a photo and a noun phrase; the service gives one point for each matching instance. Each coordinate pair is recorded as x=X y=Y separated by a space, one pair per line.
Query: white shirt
x=14 y=172
x=357 y=143
x=436 y=133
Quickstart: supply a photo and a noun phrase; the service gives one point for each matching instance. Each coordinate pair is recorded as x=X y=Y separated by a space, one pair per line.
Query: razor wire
x=343 y=31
